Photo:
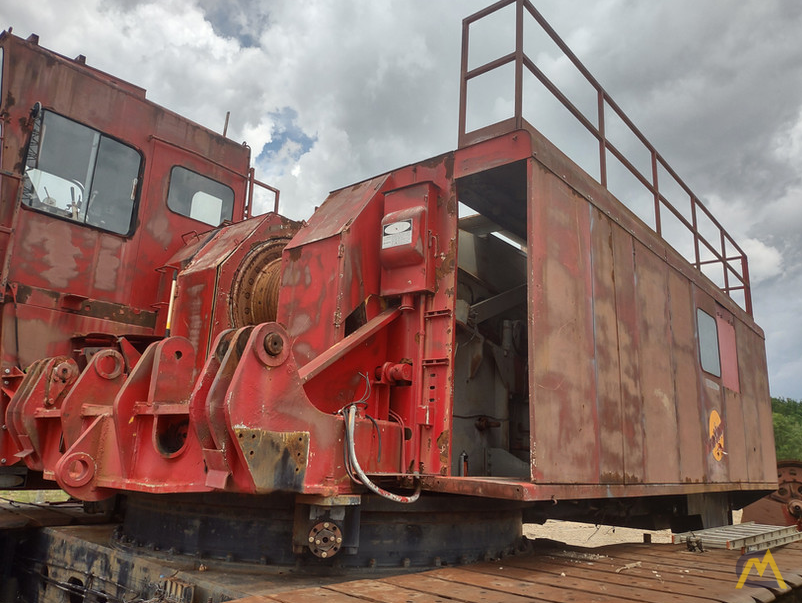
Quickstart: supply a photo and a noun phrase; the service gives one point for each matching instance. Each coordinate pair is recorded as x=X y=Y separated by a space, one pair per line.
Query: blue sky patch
x=289 y=140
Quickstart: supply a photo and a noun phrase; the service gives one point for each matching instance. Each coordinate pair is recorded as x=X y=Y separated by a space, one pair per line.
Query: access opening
x=491 y=397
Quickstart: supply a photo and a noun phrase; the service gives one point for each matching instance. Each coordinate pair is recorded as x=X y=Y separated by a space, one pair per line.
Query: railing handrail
x=520 y=60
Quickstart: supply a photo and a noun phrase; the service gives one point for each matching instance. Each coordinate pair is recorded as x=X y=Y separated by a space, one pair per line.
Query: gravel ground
x=589 y=535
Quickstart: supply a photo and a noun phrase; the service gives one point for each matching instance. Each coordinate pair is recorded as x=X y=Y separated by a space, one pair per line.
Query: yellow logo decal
x=760 y=565
x=716 y=433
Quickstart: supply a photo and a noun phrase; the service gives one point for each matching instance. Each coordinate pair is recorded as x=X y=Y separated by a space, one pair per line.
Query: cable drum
x=255 y=288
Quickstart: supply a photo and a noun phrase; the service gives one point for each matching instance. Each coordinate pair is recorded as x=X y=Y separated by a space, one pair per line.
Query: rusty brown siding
x=617 y=392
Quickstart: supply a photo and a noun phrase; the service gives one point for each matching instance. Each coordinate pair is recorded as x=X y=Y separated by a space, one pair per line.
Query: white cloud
x=764 y=261
x=716 y=86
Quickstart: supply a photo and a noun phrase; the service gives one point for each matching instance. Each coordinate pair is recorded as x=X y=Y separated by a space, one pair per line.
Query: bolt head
x=273 y=343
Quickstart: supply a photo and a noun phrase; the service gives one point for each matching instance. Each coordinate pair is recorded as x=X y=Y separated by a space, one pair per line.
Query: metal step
x=746 y=537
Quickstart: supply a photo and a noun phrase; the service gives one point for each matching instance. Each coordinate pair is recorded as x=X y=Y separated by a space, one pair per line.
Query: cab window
x=199 y=197
x=75 y=172
x=708 y=343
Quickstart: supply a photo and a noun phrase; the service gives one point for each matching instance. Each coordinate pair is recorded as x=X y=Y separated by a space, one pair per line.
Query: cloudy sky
x=331 y=92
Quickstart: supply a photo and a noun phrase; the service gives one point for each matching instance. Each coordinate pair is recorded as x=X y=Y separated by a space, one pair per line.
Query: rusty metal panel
x=715 y=428
x=276 y=460
x=80 y=263
x=737 y=432
x=684 y=366
x=758 y=427
x=628 y=344
x=661 y=436
x=562 y=381
x=69 y=257
x=606 y=343
x=330 y=267
x=342 y=207
x=31 y=333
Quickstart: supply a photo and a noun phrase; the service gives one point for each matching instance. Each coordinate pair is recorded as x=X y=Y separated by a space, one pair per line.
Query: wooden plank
x=20 y=515
x=718 y=568
x=522 y=581
x=428 y=583
x=385 y=592
x=313 y=595
x=497 y=590
x=644 y=573
x=642 y=582
x=634 y=562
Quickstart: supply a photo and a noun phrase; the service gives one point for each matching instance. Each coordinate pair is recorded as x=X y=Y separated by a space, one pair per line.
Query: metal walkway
x=746 y=537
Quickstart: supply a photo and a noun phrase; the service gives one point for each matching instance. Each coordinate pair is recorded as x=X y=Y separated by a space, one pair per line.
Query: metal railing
x=722 y=251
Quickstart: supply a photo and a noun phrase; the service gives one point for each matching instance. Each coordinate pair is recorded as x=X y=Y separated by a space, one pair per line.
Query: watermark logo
x=716 y=435
x=753 y=560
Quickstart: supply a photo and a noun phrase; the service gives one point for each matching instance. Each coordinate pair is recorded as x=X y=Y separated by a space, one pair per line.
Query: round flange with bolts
x=325 y=539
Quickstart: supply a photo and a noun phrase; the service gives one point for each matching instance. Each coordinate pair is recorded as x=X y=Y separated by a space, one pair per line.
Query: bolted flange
x=325 y=539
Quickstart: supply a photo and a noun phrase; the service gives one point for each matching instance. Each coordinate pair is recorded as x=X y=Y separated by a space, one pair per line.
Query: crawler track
x=549 y=572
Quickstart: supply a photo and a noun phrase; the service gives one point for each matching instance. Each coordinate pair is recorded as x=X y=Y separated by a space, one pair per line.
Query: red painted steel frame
x=618 y=404
x=609 y=415
x=62 y=281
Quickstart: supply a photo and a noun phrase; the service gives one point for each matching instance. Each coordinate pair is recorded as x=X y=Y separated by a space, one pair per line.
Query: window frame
x=135 y=204
x=223 y=219
x=704 y=344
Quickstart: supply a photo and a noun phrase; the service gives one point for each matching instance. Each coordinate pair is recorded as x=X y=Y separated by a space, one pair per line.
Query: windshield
x=78 y=173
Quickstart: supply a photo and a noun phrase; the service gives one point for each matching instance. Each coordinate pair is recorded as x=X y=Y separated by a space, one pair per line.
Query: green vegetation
x=34 y=496
x=787 y=416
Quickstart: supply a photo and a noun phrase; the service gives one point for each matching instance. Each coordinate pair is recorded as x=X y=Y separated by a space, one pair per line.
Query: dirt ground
x=589 y=535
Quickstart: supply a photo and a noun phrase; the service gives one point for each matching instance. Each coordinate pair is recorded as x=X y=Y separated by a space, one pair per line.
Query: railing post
x=248 y=208
x=519 y=63
x=725 y=262
x=463 y=84
x=602 y=140
x=695 y=224
x=658 y=223
x=747 y=286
